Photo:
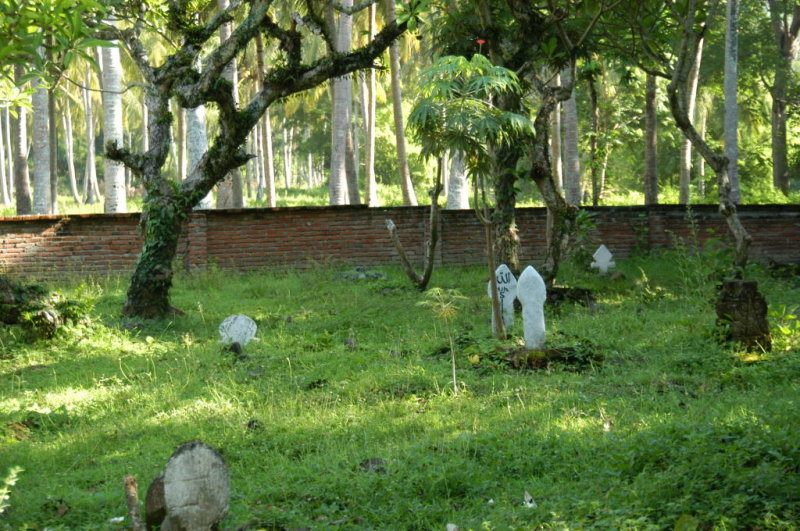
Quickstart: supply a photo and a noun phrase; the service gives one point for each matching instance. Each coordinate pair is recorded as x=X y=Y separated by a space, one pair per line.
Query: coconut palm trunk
x=650 y=141
x=42 y=203
x=19 y=144
x=340 y=119
x=785 y=32
x=113 y=171
x=4 y=184
x=66 y=117
x=407 y=187
x=731 y=98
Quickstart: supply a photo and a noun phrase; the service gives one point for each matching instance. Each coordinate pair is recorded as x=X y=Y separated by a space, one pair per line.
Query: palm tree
x=340 y=122
x=372 y=187
x=90 y=188
x=786 y=32
x=3 y=167
x=41 y=149
x=409 y=197
x=19 y=144
x=113 y=171
x=731 y=104
x=650 y=142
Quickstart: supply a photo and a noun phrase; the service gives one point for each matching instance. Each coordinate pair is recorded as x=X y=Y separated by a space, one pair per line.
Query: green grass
x=672 y=428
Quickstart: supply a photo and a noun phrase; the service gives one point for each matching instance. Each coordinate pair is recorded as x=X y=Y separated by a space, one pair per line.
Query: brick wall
x=52 y=246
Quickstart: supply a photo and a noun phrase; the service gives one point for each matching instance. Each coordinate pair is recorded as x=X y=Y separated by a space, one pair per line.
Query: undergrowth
x=659 y=427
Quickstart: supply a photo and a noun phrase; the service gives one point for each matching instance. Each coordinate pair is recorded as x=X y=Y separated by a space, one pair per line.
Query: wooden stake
x=132 y=498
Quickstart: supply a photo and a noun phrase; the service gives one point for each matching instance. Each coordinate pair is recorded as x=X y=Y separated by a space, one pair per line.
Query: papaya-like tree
x=167 y=204
x=533 y=39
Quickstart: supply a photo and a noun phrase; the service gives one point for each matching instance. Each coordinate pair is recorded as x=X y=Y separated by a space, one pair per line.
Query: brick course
x=244 y=239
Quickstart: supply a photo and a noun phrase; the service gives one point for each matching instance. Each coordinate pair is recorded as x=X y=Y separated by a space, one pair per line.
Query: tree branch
x=353 y=9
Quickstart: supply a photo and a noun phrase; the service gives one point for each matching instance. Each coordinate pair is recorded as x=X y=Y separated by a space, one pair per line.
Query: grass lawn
x=669 y=430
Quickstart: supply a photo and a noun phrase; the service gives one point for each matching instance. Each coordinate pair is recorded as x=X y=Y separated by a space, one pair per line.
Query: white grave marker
x=237 y=329
x=531 y=292
x=507 y=292
x=603 y=259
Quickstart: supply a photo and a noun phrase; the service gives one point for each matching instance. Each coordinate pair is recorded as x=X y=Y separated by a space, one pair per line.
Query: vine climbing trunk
x=152 y=278
x=506 y=239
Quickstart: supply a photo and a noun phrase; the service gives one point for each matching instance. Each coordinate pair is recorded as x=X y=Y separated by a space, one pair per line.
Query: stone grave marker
x=237 y=329
x=603 y=259
x=197 y=488
x=532 y=293
x=507 y=292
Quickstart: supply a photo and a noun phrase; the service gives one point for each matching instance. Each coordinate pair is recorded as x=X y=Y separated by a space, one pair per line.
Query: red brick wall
x=52 y=246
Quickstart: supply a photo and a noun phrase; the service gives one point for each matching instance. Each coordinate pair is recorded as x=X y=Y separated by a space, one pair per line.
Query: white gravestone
x=507 y=292
x=531 y=292
x=603 y=259
x=237 y=329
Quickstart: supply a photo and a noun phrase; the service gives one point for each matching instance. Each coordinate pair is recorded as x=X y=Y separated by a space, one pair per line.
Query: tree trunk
x=785 y=32
x=685 y=168
x=10 y=144
x=594 y=163
x=351 y=164
x=42 y=202
x=197 y=145
x=409 y=197
x=4 y=147
x=67 y=124
x=340 y=119
x=19 y=138
x=555 y=141
x=288 y=135
x=562 y=214
x=458 y=187
x=90 y=172
x=572 y=173
x=180 y=142
x=678 y=106
x=701 y=162
x=113 y=171
x=372 y=185
x=267 y=161
x=152 y=278
x=229 y=192
x=161 y=222
x=53 y=145
x=650 y=142
x=505 y=237
x=731 y=96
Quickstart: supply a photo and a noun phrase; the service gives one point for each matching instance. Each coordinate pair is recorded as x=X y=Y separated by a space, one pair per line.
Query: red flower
x=480 y=42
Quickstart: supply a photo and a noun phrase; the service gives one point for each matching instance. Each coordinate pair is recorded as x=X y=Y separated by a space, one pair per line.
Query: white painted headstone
x=237 y=329
x=506 y=291
x=531 y=292
x=603 y=259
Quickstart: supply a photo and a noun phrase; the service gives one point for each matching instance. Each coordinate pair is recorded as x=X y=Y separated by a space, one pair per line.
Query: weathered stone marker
x=507 y=292
x=603 y=259
x=196 y=489
x=742 y=308
x=237 y=329
x=532 y=293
